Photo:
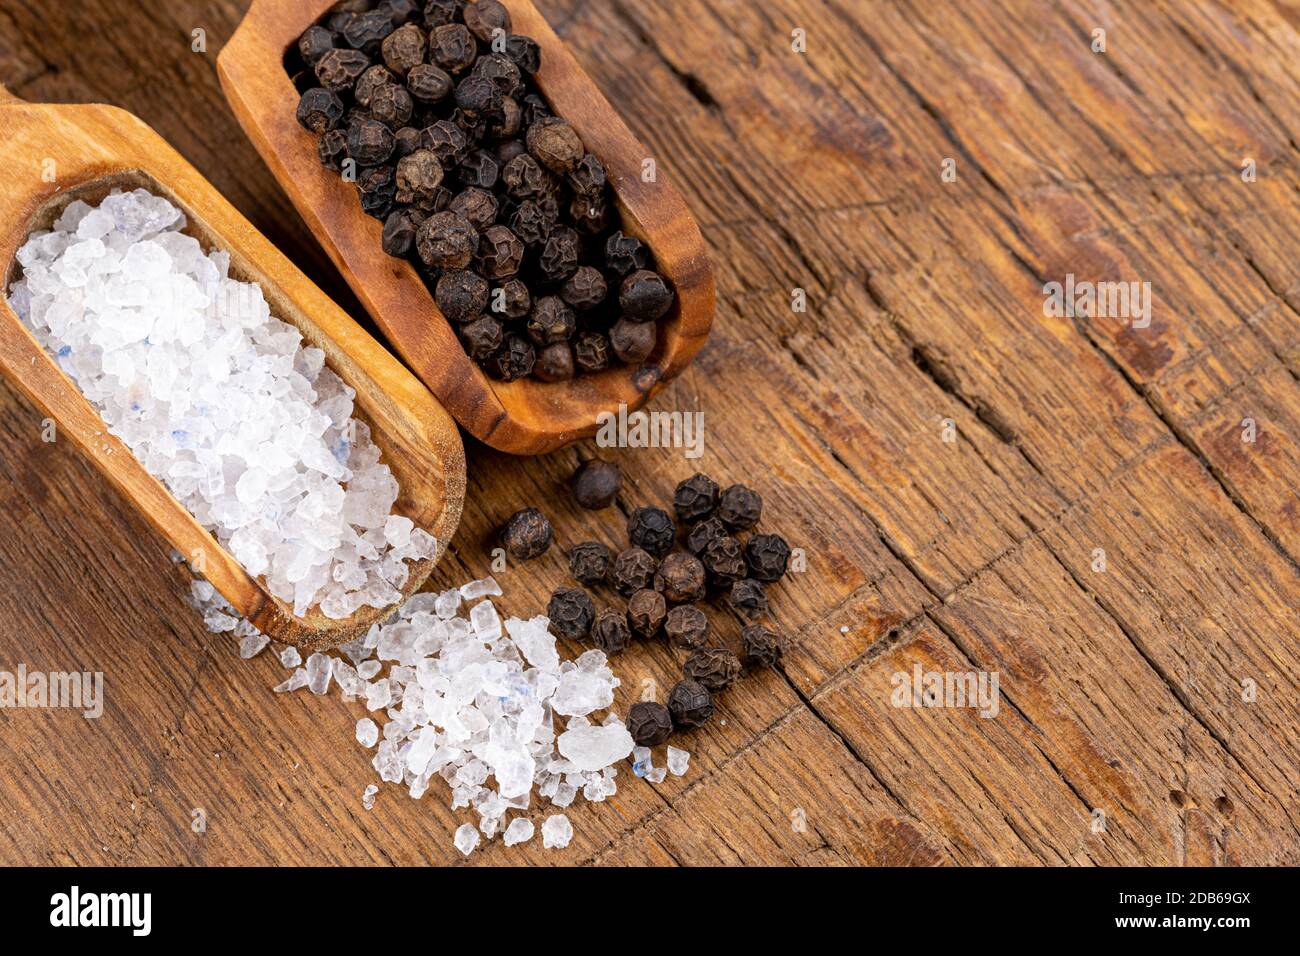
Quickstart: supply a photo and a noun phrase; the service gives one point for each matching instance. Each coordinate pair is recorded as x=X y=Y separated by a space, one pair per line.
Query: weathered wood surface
x=1122 y=689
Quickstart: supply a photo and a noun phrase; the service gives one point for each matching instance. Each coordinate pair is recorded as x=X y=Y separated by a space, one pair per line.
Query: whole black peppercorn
x=475 y=125
x=399 y=233
x=535 y=109
x=554 y=362
x=420 y=173
x=503 y=73
x=551 y=321
x=403 y=49
x=760 y=645
x=333 y=149
x=446 y=241
x=595 y=484
x=510 y=300
x=524 y=178
x=560 y=253
x=507 y=120
x=426 y=206
x=377 y=185
x=368 y=82
x=645 y=295
x=406 y=141
x=477 y=205
x=428 y=83
x=401 y=11
x=632 y=341
x=338 y=69
x=714 y=667
x=461 y=294
x=680 y=578
x=438 y=13
x=651 y=530
x=588 y=177
x=451 y=46
x=555 y=145
x=319 y=110
x=477 y=94
x=571 y=612
x=585 y=289
x=479 y=169
x=447 y=141
x=649 y=723
x=391 y=105
x=767 y=556
x=531 y=223
x=524 y=53
x=634 y=569
x=509 y=150
x=499 y=253
x=625 y=254
x=610 y=632
x=690 y=703
x=526 y=534
x=748 y=597
x=695 y=498
x=589 y=562
x=686 y=626
x=704 y=533
x=370 y=142
x=515 y=359
x=366 y=31
x=589 y=213
x=482 y=337
x=646 y=611
x=591 y=351
x=725 y=561
x=485 y=17
x=740 y=508
x=314 y=43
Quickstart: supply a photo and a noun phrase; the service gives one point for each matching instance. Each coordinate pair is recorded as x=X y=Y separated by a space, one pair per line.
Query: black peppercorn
x=644 y=295
x=399 y=233
x=760 y=645
x=403 y=49
x=526 y=534
x=703 y=534
x=451 y=46
x=588 y=177
x=391 y=105
x=428 y=83
x=338 y=69
x=625 y=254
x=406 y=142
x=589 y=213
x=595 y=485
x=686 y=626
x=511 y=299
x=366 y=31
x=332 y=149
x=554 y=362
x=477 y=205
x=646 y=611
x=649 y=723
x=767 y=556
x=314 y=43
x=551 y=321
x=509 y=150
x=482 y=337
x=695 y=497
x=524 y=53
x=401 y=11
x=571 y=612
x=477 y=94
x=724 y=560
x=377 y=186
x=461 y=294
x=680 y=578
x=370 y=142
x=499 y=253
x=585 y=289
x=634 y=569
x=632 y=341
x=591 y=351
x=515 y=359
x=652 y=530
x=420 y=173
x=748 y=597
x=507 y=120
x=589 y=562
x=319 y=110
x=560 y=252
x=714 y=667
x=502 y=72
x=478 y=169
x=446 y=241
x=524 y=178
x=447 y=141
x=610 y=632
x=485 y=17
x=555 y=144
x=439 y=13
x=690 y=703
x=371 y=80
x=532 y=223
x=740 y=508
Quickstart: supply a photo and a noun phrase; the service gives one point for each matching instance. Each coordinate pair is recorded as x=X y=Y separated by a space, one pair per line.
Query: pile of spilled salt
x=221 y=401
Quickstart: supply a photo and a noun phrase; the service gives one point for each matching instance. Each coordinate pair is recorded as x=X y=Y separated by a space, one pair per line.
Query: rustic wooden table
x=1104 y=515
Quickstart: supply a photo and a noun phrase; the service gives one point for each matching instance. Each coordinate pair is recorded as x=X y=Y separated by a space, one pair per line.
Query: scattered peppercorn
x=686 y=626
x=680 y=578
x=646 y=611
x=714 y=667
x=526 y=535
x=634 y=569
x=571 y=612
x=690 y=704
x=748 y=597
x=652 y=530
x=596 y=483
x=760 y=645
x=704 y=533
x=695 y=498
x=610 y=632
x=767 y=556
x=740 y=508
x=589 y=562
x=725 y=561
x=649 y=723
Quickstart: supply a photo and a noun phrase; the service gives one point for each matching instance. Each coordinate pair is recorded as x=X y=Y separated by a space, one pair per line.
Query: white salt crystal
x=448 y=602
x=367 y=732
x=557 y=831
x=368 y=796
x=519 y=831
x=466 y=838
x=678 y=761
x=594 y=748
x=290 y=657
x=657 y=774
x=318 y=673
x=483 y=618
x=297 y=679
x=252 y=644
x=485 y=587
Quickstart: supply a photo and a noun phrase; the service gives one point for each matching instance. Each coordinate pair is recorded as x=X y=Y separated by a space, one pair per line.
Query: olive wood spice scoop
x=87 y=150
x=525 y=416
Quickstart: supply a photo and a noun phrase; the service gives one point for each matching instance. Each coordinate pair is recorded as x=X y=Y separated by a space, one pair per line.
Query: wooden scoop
x=525 y=416
x=55 y=154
